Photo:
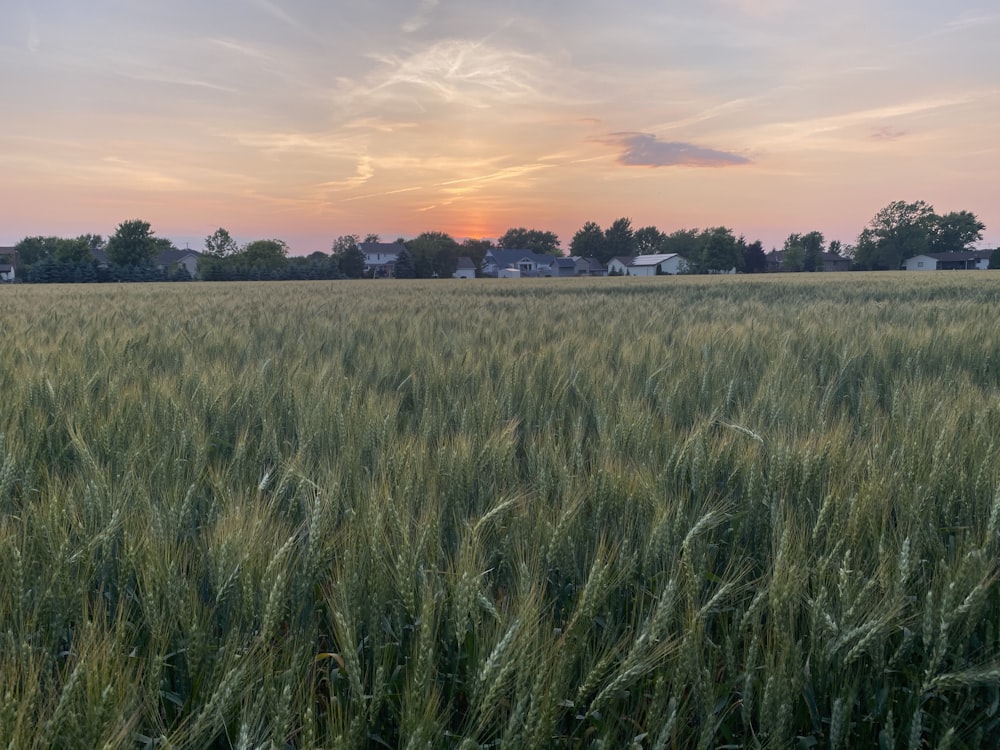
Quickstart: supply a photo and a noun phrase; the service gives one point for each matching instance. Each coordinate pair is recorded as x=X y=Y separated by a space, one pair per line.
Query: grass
x=620 y=513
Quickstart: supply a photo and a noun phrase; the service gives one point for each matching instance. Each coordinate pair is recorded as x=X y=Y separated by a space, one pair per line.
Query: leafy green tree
x=536 y=240
x=433 y=253
x=264 y=255
x=812 y=251
x=132 y=244
x=589 y=242
x=995 y=259
x=754 y=258
x=687 y=243
x=372 y=237
x=220 y=244
x=476 y=249
x=648 y=240
x=404 y=266
x=793 y=254
x=350 y=258
x=619 y=238
x=956 y=231
x=720 y=251
x=897 y=232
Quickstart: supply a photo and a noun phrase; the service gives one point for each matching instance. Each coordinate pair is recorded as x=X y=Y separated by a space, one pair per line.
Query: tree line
x=899 y=231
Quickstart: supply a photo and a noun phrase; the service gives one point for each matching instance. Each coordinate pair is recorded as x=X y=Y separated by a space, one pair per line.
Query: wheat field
x=617 y=513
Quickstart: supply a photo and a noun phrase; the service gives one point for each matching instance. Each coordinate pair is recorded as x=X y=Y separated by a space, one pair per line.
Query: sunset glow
x=305 y=120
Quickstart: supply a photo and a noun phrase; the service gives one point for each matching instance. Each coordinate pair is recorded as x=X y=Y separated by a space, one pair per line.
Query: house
x=589 y=266
x=466 y=269
x=660 y=264
x=562 y=268
x=170 y=261
x=8 y=263
x=381 y=257
x=618 y=266
x=525 y=262
x=831 y=262
x=978 y=260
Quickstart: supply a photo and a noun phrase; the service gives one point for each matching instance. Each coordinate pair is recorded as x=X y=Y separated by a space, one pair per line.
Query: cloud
x=887 y=133
x=473 y=73
x=419 y=20
x=646 y=150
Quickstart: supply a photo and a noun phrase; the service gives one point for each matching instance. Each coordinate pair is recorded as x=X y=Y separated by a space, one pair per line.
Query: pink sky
x=308 y=120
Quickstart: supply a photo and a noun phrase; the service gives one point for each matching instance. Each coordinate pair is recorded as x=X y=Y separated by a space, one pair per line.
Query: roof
x=381 y=248
x=625 y=260
x=503 y=257
x=563 y=262
x=651 y=260
x=466 y=264
x=964 y=255
x=6 y=268
x=169 y=257
x=594 y=263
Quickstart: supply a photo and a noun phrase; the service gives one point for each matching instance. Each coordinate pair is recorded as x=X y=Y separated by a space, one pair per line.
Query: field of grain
x=664 y=513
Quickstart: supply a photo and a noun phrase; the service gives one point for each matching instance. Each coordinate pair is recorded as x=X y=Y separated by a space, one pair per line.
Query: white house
x=466 y=269
x=6 y=272
x=173 y=260
x=381 y=257
x=526 y=262
x=618 y=266
x=970 y=260
x=660 y=264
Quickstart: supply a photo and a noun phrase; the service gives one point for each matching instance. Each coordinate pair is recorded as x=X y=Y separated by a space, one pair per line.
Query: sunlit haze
x=308 y=119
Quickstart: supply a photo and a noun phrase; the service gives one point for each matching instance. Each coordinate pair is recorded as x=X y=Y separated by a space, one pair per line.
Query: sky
x=305 y=120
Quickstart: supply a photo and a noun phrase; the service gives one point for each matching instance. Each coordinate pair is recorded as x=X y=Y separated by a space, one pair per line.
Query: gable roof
x=651 y=260
x=503 y=257
x=381 y=248
x=169 y=257
x=625 y=260
x=465 y=263
x=964 y=255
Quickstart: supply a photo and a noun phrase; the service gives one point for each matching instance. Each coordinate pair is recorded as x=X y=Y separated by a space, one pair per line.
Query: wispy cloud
x=972 y=20
x=646 y=150
x=34 y=40
x=886 y=133
x=471 y=72
x=420 y=19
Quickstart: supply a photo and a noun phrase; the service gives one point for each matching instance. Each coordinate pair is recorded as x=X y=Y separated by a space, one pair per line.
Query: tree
x=897 y=232
x=536 y=240
x=476 y=249
x=220 y=244
x=404 y=266
x=648 y=240
x=619 y=238
x=955 y=232
x=720 y=251
x=588 y=242
x=754 y=258
x=350 y=258
x=434 y=254
x=995 y=259
x=812 y=251
x=685 y=242
x=264 y=255
x=132 y=244
x=793 y=254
